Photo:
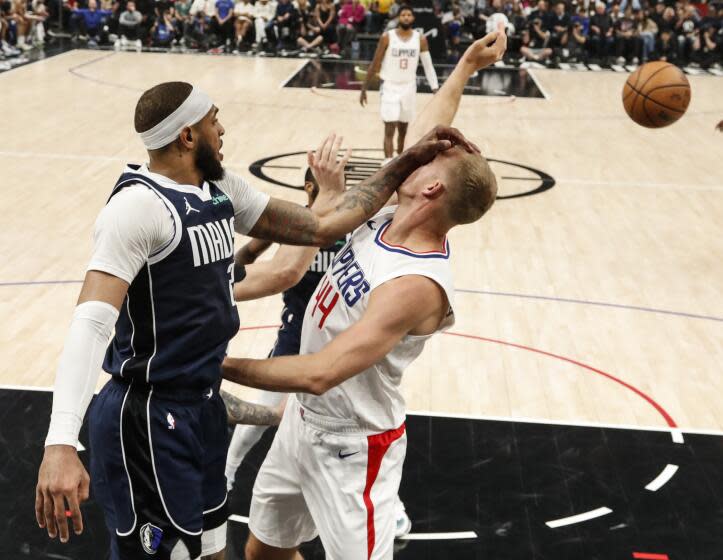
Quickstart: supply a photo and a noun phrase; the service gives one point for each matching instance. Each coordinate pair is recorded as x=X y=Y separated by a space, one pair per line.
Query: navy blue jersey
x=296 y=299
x=179 y=314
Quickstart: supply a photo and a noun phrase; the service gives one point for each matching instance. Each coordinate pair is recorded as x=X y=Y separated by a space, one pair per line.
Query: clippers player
x=162 y=276
x=336 y=461
x=399 y=52
x=296 y=272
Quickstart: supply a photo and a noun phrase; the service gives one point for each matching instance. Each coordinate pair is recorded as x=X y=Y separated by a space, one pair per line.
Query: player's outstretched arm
x=283 y=271
x=286 y=222
x=62 y=477
x=394 y=311
x=442 y=108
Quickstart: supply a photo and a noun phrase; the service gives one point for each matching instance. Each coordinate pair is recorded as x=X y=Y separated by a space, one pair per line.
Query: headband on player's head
x=192 y=110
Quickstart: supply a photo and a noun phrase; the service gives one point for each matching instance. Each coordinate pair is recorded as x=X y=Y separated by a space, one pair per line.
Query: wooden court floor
x=599 y=300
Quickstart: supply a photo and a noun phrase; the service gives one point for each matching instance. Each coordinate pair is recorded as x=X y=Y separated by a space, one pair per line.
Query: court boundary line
x=543 y=91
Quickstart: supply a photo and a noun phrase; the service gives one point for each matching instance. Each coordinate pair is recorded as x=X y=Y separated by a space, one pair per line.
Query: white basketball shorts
x=398 y=101
x=328 y=477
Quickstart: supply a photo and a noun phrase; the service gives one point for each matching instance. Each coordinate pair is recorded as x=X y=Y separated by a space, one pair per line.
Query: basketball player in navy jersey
x=162 y=275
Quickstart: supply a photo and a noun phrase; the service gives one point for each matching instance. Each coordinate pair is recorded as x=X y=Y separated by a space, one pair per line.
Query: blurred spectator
x=90 y=24
x=647 y=30
x=705 y=50
x=686 y=29
x=626 y=38
x=579 y=30
x=244 y=12
x=222 y=22
x=667 y=44
x=263 y=15
x=542 y=13
x=325 y=15
x=533 y=48
x=310 y=36
x=282 y=29
x=559 y=24
x=196 y=32
x=22 y=23
x=129 y=27
x=163 y=32
x=351 y=19
x=601 y=32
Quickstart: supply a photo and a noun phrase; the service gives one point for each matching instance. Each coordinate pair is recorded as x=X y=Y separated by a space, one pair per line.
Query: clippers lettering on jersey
x=349 y=277
x=404 y=52
x=211 y=242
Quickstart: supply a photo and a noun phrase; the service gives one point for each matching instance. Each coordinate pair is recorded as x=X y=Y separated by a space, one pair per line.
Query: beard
x=405 y=26
x=207 y=162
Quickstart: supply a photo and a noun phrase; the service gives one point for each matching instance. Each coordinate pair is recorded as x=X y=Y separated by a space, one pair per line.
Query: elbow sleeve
x=79 y=369
x=429 y=71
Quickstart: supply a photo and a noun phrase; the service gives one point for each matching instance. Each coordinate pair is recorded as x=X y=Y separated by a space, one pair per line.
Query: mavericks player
x=401 y=49
x=335 y=464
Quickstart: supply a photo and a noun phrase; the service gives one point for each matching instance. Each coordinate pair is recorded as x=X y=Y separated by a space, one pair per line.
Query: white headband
x=192 y=110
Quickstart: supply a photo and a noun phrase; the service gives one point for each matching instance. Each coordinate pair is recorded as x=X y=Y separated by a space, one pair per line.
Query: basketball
x=656 y=95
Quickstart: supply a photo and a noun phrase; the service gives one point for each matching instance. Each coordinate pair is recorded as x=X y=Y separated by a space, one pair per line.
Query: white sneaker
x=138 y=45
x=402 y=522
x=117 y=45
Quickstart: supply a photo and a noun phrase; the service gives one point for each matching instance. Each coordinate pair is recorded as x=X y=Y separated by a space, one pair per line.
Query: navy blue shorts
x=157 y=467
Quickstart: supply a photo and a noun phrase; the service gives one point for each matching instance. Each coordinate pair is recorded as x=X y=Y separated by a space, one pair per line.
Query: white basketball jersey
x=371 y=398
x=401 y=58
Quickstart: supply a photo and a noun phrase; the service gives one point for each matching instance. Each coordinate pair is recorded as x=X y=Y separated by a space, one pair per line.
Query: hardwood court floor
x=615 y=270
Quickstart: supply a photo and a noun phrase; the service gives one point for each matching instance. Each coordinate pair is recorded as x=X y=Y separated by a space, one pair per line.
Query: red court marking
x=668 y=419
x=649 y=556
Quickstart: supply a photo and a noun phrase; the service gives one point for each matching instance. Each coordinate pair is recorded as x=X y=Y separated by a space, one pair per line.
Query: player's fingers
x=333 y=157
x=320 y=149
x=75 y=515
x=345 y=159
x=329 y=150
x=61 y=521
x=324 y=156
x=39 y=515
x=84 y=487
x=488 y=39
x=310 y=158
x=49 y=515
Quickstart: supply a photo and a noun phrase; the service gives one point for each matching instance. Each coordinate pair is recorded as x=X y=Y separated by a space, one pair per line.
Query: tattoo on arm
x=243 y=412
x=285 y=222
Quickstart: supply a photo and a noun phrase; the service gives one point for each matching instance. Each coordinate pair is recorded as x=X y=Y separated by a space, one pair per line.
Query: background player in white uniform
x=399 y=52
x=335 y=464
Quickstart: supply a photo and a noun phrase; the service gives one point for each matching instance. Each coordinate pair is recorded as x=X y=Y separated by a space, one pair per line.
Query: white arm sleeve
x=248 y=203
x=429 y=71
x=134 y=225
x=78 y=370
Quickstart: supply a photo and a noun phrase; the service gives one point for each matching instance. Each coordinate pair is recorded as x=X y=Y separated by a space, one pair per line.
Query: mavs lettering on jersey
x=349 y=277
x=215 y=240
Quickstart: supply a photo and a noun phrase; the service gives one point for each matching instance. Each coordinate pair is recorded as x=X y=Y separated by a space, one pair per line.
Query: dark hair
x=309 y=176
x=405 y=7
x=158 y=102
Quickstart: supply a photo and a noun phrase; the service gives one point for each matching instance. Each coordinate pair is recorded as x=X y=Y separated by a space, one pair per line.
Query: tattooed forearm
x=243 y=412
x=285 y=222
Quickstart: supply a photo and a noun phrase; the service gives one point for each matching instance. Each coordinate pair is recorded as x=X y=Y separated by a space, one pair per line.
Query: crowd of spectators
x=617 y=31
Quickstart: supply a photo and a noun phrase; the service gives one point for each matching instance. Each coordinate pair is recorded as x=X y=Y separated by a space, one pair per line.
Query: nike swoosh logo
x=344 y=456
x=370 y=223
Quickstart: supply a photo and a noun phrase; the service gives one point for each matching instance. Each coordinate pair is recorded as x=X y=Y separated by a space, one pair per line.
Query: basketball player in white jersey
x=399 y=52
x=336 y=462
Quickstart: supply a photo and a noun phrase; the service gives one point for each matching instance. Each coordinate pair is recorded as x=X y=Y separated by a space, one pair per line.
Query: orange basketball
x=656 y=94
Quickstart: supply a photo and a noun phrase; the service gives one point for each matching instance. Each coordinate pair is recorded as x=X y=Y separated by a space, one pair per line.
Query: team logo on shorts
x=151 y=538
x=171 y=421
